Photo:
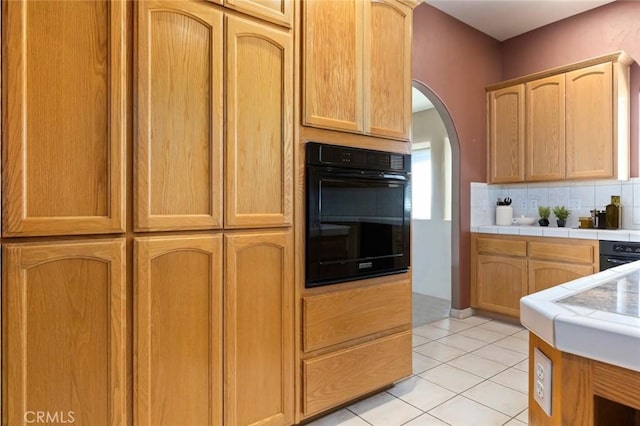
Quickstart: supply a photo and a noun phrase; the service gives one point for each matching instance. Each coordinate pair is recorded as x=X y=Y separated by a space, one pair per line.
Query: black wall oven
x=358 y=213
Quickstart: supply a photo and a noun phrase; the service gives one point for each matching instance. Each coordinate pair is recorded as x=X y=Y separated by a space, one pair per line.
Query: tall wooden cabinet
x=570 y=122
x=65 y=118
x=142 y=325
x=363 y=83
x=64 y=332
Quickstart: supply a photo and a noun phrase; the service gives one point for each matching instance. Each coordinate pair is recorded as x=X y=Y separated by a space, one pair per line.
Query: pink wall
x=456 y=62
x=615 y=26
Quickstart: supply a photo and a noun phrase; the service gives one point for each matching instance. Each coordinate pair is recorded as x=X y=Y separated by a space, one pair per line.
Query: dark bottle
x=613 y=213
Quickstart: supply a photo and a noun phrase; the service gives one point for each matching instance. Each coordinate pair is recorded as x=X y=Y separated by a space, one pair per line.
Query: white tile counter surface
x=552 y=231
x=596 y=317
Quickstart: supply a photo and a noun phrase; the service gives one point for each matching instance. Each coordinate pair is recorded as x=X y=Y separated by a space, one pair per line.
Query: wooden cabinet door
x=277 y=11
x=589 y=115
x=500 y=283
x=259 y=143
x=545 y=129
x=64 y=78
x=258 y=338
x=387 y=69
x=63 y=328
x=544 y=274
x=332 y=70
x=178 y=155
x=506 y=134
x=178 y=330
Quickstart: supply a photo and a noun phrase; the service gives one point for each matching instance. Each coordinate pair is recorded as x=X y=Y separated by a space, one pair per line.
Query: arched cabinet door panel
x=64 y=82
x=64 y=332
x=178 y=155
x=259 y=138
x=277 y=11
x=178 y=330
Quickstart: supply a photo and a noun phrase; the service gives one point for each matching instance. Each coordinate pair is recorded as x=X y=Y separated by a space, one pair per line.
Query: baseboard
x=461 y=313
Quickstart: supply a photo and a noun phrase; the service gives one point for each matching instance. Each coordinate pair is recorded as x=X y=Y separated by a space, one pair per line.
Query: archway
x=455 y=191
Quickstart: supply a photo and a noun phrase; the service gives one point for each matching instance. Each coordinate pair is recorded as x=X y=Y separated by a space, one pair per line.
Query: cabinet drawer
x=336 y=378
x=502 y=246
x=570 y=252
x=340 y=316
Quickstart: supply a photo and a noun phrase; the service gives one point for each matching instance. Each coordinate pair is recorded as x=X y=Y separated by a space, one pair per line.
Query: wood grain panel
x=545 y=127
x=616 y=384
x=589 y=116
x=505 y=246
x=179 y=109
x=277 y=11
x=64 y=340
x=576 y=390
x=340 y=316
x=387 y=69
x=340 y=376
x=582 y=251
x=545 y=274
x=178 y=338
x=506 y=135
x=65 y=117
x=332 y=72
x=259 y=153
x=258 y=339
x=500 y=283
x=537 y=416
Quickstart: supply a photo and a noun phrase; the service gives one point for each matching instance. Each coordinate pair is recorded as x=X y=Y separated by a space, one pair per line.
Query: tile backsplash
x=580 y=197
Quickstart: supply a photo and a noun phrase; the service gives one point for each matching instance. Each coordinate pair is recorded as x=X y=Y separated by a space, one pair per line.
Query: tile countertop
x=552 y=231
x=596 y=317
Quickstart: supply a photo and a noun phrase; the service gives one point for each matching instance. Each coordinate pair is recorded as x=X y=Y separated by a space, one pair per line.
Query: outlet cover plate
x=542 y=373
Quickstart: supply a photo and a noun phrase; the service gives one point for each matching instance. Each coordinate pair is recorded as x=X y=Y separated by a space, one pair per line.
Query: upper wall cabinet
x=506 y=134
x=363 y=83
x=576 y=123
x=277 y=11
x=179 y=128
x=64 y=103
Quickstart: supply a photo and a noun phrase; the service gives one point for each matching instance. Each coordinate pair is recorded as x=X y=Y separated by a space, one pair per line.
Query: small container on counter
x=586 y=222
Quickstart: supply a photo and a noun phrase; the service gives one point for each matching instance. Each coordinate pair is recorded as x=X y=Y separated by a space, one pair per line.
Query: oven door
x=358 y=224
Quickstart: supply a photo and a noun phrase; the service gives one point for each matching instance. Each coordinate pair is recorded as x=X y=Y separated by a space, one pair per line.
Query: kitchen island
x=584 y=350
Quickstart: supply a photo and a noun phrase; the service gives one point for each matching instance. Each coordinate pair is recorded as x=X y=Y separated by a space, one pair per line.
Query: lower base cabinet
x=64 y=333
x=214 y=331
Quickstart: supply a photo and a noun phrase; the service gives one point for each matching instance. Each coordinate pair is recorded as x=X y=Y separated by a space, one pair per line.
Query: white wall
x=431 y=251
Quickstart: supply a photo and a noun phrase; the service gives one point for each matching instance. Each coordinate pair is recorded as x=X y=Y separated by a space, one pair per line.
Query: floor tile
x=515 y=422
x=384 y=409
x=514 y=344
x=477 y=365
x=523 y=416
x=452 y=378
x=419 y=340
x=483 y=334
x=514 y=379
x=423 y=363
x=421 y=393
x=474 y=320
x=431 y=332
x=524 y=334
x=439 y=351
x=463 y=411
x=426 y=420
x=523 y=365
x=501 y=327
x=498 y=397
x=342 y=417
x=451 y=324
x=500 y=354
x=463 y=343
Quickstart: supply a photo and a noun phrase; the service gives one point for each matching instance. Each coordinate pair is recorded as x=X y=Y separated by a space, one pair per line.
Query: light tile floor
x=465 y=372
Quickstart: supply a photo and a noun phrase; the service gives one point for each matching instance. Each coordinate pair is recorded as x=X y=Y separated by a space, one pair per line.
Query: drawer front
x=570 y=252
x=502 y=246
x=330 y=380
x=341 y=316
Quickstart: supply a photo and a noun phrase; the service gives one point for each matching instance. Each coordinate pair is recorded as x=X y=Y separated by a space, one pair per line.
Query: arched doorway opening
x=448 y=211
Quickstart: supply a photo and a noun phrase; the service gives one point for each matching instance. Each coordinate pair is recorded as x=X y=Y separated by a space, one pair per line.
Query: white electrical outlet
x=542 y=386
x=533 y=204
x=523 y=204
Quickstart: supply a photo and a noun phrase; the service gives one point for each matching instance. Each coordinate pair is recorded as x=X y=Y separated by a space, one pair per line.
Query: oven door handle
x=367 y=174
x=619 y=261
